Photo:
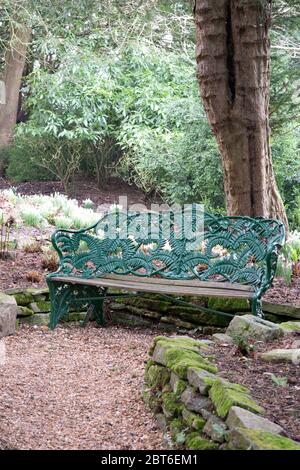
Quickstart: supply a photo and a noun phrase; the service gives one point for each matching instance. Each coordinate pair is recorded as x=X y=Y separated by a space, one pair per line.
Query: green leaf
x=281 y=381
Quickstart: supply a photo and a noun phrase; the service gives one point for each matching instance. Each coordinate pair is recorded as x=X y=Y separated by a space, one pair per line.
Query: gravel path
x=76 y=388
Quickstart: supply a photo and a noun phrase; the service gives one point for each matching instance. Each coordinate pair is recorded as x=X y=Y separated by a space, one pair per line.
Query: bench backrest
x=233 y=249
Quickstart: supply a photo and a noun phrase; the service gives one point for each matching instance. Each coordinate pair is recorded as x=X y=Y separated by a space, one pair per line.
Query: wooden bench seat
x=165 y=286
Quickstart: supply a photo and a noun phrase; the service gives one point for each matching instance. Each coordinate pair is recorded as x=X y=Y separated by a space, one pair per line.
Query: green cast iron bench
x=236 y=258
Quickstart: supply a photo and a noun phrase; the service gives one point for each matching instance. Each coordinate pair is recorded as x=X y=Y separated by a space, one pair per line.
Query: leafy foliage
x=23 y=159
x=286 y=157
x=121 y=96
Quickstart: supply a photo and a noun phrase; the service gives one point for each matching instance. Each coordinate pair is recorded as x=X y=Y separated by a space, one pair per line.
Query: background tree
x=15 y=36
x=15 y=59
x=233 y=57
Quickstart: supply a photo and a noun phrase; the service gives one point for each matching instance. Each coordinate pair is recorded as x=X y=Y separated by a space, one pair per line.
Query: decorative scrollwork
x=233 y=249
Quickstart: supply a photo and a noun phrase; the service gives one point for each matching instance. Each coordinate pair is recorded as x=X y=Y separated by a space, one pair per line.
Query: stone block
x=8 y=315
x=241 y=418
x=252 y=327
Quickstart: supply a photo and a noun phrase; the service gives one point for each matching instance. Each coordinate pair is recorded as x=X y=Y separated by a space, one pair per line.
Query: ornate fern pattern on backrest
x=233 y=249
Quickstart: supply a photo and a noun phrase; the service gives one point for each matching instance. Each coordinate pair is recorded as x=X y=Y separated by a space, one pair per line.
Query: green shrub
x=4 y=157
x=24 y=160
x=136 y=110
x=286 y=157
x=167 y=144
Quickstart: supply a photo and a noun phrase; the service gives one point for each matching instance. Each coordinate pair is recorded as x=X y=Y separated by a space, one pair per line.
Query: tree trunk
x=15 y=59
x=232 y=52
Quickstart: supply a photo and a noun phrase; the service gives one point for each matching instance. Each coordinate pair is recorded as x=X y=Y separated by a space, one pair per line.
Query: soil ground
x=76 y=388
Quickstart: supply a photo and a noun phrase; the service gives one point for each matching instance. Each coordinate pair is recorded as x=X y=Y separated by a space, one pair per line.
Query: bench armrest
x=271 y=264
x=66 y=243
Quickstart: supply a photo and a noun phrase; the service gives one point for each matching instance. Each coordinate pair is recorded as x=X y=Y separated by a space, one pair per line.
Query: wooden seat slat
x=158 y=288
x=181 y=282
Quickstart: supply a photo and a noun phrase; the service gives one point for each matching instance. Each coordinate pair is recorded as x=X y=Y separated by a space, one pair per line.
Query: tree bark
x=15 y=59
x=233 y=68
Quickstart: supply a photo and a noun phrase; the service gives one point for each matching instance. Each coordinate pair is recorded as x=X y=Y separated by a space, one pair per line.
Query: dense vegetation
x=101 y=100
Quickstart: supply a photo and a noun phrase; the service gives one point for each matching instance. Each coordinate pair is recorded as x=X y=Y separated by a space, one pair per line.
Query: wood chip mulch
x=281 y=402
x=76 y=388
x=282 y=294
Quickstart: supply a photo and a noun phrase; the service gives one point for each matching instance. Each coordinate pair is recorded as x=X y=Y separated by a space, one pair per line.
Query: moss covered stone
x=198 y=378
x=195 y=442
x=274 y=318
x=252 y=439
x=39 y=319
x=14 y=290
x=177 y=430
x=181 y=386
x=182 y=342
x=149 y=364
x=76 y=316
x=142 y=312
x=40 y=307
x=281 y=355
x=229 y=305
x=179 y=360
x=152 y=400
x=145 y=303
x=129 y=319
x=177 y=322
x=290 y=326
x=246 y=327
x=162 y=421
x=177 y=384
x=194 y=401
x=241 y=418
x=39 y=294
x=198 y=317
x=226 y=395
x=171 y=406
x=292 y=311
x=157 y=376
x=23 y=311
x=215 y=429
x=24 y=298
x=193 y=420
x=179 y=353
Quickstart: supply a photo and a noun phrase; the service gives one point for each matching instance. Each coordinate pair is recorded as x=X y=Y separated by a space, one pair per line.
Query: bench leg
x=98 y=307
x=60 y=294
x=256 y=305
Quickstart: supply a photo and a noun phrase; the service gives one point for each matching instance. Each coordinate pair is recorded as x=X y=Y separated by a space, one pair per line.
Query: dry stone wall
x=33 y=306
x=198 y=408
